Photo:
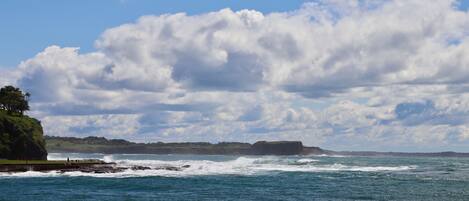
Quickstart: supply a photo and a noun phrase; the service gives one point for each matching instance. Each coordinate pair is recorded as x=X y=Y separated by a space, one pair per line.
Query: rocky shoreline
x=117 y=169
x=96 y=166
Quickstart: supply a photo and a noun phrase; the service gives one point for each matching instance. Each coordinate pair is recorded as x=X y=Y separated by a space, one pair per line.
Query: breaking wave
x=242 y=165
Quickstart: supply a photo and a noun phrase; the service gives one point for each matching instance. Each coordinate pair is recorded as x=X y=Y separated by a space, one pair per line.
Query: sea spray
x=214 y=165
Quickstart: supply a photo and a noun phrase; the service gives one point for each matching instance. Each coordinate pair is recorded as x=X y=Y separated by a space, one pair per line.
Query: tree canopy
x=13 y=100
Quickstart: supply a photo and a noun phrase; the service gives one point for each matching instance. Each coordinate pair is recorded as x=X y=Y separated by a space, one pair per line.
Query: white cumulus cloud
x=342 y=74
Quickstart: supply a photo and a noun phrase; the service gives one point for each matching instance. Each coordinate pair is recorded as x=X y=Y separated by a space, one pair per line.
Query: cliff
x=277 y=148
x=21 y=137
x=102 y=145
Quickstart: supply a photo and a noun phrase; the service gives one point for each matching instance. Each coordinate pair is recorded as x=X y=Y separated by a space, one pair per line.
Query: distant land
x=120 y=146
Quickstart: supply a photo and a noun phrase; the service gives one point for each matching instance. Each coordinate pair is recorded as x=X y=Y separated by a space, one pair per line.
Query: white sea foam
x=329 y=155
x=335 y=167
x=108 y=158
x=306 y=160
x=238 y=166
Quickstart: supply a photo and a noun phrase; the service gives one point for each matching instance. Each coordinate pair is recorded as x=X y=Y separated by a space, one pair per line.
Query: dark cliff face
x=277 y=148
x=21 y=137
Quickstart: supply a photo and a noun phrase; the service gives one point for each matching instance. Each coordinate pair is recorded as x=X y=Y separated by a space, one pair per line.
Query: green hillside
x=21 y=137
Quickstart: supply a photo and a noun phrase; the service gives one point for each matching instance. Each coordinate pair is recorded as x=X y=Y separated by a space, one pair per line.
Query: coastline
x=119 y=146
x=51 y=165
x=247 y=178
x=85 y=166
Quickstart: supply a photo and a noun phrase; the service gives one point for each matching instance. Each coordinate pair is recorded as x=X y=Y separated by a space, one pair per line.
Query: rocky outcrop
x=277 y=148
x=21 y=137
x=95 y=166
x=315 y=151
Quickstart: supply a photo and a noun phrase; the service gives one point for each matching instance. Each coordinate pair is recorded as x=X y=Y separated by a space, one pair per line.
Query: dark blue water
x=251 y=178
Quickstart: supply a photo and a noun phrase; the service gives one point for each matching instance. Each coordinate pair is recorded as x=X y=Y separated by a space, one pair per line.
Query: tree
x=13 y=100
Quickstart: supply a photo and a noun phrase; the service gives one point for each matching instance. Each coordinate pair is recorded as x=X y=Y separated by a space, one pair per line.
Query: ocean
x=217 y=177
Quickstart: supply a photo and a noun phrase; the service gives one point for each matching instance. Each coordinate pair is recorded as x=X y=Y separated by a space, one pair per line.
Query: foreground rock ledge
x=86 y=166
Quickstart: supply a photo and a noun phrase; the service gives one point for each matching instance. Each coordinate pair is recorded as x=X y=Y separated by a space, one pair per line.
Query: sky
x=345 y=75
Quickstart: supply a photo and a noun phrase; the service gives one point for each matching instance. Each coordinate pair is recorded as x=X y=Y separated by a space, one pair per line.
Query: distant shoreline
x=119 y=146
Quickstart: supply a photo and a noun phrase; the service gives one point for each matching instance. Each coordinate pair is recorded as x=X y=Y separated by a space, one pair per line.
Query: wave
x=331 y=155
x=237 y=166
x=338 y=167
x=306 y=161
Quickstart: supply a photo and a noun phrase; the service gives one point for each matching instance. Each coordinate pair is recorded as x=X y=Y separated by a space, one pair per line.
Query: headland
x=119 y=146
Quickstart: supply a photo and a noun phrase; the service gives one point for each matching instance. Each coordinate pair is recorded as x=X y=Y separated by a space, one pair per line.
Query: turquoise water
x=250 y=178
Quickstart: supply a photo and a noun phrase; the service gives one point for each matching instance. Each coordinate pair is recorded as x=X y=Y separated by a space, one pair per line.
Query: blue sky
x=345 y=75
x=30 y=26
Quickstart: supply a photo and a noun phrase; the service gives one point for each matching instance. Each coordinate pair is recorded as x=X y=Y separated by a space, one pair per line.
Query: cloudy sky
x=344 y=75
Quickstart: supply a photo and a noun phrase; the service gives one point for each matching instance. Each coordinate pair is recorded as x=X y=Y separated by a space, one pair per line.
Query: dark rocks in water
x=172 y=168
x=101 y=169
x=140 y=168
x=112 y=169
x=86 y=166
x=277 y=148
x=21 y=138
x=95 y=169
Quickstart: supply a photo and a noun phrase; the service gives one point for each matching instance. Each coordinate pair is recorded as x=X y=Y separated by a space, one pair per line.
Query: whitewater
x=220 y=177
x=213 y=165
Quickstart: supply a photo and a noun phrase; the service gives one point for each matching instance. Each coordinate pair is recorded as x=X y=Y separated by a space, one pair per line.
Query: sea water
x=217 y=177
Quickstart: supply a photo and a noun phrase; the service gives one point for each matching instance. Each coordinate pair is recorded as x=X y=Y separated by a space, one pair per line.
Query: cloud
x=321 y=49
x=112 y=126
x=8 y=76
x=344 y=74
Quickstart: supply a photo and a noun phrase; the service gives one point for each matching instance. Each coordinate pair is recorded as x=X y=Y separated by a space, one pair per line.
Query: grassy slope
x=56 y=145
x=24 y=125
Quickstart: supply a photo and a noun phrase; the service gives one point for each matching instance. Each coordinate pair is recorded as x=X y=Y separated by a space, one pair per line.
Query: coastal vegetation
x=13 y=100
x=119 y=146
x=21 y=137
